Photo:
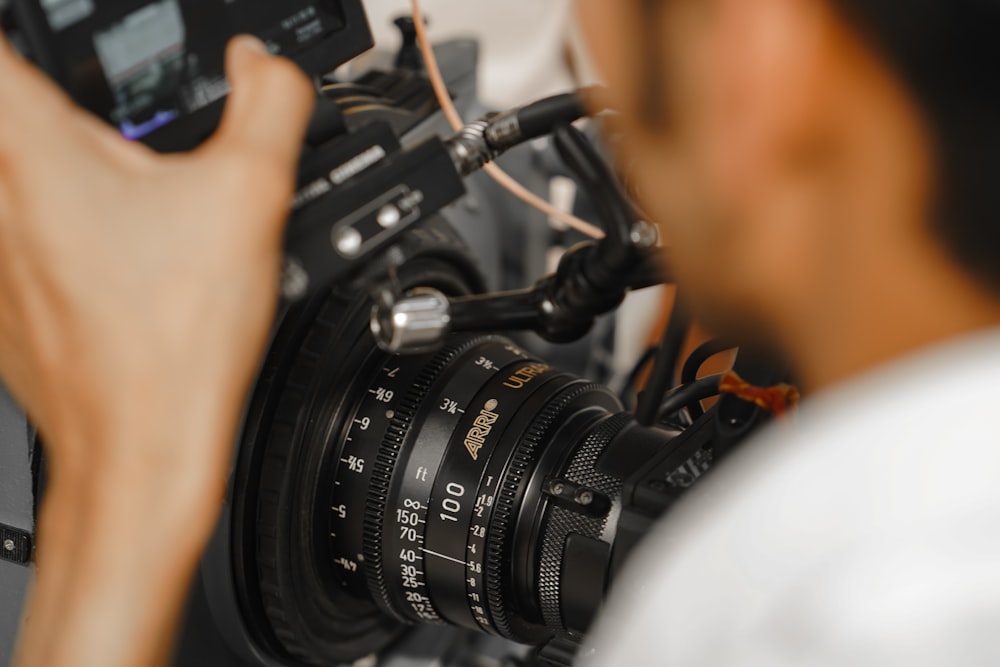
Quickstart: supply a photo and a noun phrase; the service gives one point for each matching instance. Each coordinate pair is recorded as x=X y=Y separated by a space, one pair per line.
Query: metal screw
x=389 y=216
x=585 y=497
x=644 y=235
x=347 y=241
x=557 y=488
x=9 y=545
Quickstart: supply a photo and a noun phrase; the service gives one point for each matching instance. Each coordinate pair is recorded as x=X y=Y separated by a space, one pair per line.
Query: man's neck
x=888 y=313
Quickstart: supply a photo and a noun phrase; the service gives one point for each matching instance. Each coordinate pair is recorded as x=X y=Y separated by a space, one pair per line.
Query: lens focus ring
x=385 y=466
x=421 y=481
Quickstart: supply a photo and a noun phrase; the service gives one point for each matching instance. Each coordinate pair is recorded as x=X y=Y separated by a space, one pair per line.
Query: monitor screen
x=143 y=64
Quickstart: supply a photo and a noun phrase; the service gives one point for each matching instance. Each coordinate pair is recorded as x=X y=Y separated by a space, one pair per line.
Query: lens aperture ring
x=354 y=464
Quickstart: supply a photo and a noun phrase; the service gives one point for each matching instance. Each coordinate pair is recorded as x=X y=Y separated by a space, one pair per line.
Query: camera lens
x=458 y=466
x=474 y=486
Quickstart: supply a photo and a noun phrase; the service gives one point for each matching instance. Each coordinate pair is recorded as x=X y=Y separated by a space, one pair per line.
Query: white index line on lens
x=434 y=553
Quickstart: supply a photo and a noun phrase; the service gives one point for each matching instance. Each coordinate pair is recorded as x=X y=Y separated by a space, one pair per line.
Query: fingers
x=268 y=111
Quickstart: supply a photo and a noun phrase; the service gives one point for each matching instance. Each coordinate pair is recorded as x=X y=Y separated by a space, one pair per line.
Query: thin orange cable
x=499 y=175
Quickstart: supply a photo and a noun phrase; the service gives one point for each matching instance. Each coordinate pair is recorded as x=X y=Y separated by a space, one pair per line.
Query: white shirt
x=866 y=531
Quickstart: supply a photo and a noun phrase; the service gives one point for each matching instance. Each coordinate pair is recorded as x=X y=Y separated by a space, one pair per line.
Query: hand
x=136 y=295
x=134 y=286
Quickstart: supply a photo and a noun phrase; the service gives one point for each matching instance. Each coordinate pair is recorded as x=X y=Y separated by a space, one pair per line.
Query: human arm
x=136 y=293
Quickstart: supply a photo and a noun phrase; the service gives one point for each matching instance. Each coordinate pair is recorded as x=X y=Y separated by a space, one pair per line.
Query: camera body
x=450 y=506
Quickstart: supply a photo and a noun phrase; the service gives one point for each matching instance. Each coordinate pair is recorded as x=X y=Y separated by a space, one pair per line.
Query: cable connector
x=469 y=149
x=779 y=400
x=483 y=141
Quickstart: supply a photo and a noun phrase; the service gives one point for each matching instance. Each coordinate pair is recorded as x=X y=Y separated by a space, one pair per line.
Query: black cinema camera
x=409 y=483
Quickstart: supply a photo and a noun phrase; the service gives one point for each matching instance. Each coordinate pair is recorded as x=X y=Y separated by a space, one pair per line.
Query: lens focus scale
x=461 y=482
x=386 y=461
x=423 y=457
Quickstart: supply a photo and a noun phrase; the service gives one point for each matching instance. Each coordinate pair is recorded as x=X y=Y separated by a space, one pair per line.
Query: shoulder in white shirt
x=864 y=531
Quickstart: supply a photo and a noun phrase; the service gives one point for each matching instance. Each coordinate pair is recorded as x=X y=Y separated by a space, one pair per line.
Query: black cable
x=538 y=118
x=665 y=368
x=512 y=128
x=693 y=365
x=614 y=210
x=698 y=358
x=651 y=270
x=633 y=376
x=690 y=395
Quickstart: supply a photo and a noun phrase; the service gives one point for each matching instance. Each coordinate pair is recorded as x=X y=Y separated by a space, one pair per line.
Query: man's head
x=818 y=165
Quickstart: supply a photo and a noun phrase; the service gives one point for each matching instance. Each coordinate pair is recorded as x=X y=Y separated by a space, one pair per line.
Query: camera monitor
x=155 y=68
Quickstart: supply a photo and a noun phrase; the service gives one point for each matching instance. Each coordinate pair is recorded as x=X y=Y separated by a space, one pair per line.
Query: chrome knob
x=415 y=323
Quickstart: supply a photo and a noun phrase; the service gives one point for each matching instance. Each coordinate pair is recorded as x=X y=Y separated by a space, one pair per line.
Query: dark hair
x=946 y=54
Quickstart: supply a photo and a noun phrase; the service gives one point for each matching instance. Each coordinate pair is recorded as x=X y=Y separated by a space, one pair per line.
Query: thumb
x=269 y=108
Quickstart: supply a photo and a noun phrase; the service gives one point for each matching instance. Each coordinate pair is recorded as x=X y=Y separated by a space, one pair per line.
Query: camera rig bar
x=359 y=190
x=357 y=193
x=592 y=279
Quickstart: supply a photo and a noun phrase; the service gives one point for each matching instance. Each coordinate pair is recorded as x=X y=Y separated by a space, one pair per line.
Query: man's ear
x=769 y=60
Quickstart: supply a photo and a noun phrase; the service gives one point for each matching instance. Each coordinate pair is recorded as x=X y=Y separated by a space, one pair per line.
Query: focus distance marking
x=404 y=533
x=456 y=588
x=390 y=578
